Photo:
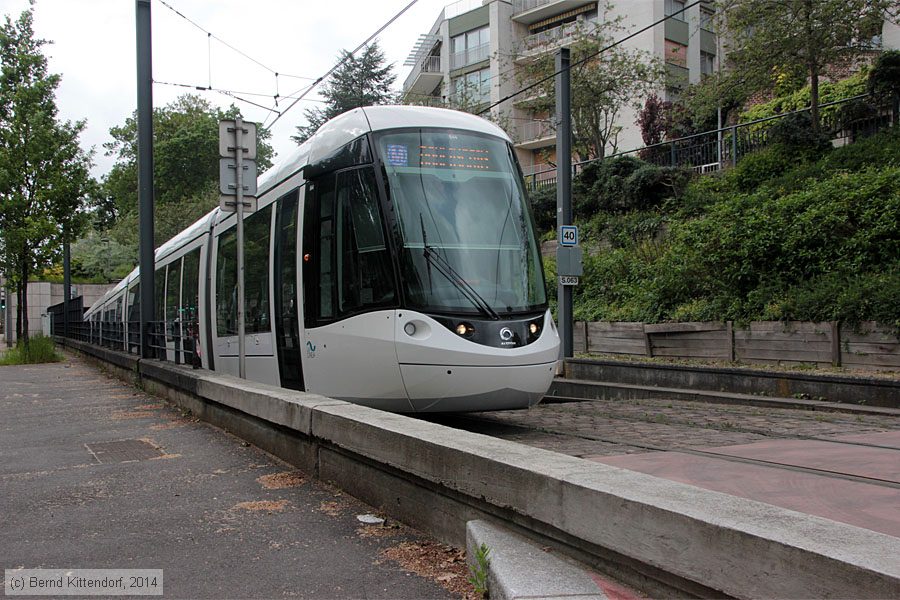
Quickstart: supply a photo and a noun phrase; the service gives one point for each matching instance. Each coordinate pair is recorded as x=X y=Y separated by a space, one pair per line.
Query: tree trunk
x=25 y=305
x=18 y=312
x=814 y=97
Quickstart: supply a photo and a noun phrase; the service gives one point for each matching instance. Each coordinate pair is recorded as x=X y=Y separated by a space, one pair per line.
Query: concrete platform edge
x=517 y=568
x=683 y=538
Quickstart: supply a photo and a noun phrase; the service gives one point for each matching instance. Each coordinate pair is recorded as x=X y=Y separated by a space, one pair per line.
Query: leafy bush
x=884 y=78
x=827 y=250
x=882 y=149
x=796 y=132
x=543 y=204
x=39 y=349
x=600 y=186
x=854 y=85
x=754 y=169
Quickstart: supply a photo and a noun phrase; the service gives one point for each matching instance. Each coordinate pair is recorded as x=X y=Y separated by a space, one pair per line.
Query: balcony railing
x=458 y=8
x=470 y=56
x=545 y=40
x=520 y=6
x=531 y=131
x=431 y=64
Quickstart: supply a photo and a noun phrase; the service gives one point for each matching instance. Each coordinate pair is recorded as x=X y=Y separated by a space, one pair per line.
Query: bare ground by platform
x=96 y=474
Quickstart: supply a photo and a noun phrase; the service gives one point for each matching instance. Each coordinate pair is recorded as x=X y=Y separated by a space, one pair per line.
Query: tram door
x=287 y=298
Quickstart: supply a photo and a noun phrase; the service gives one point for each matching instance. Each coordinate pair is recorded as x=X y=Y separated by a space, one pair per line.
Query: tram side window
x=134 y=303
x=190 y=279
x=364 y=273
x=159 y=294
x=256 y=277
x=173 y=288
x=257 y=232
x=326 y=239
x=226 y=285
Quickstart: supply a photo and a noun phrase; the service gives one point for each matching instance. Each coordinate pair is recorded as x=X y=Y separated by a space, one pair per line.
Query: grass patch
x=40 y=349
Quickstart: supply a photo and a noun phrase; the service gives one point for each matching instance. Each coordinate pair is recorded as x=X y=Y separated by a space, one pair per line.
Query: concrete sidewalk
x=95 y=474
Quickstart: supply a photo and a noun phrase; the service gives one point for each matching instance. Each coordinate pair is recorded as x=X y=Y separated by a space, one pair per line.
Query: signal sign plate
x=227 y=139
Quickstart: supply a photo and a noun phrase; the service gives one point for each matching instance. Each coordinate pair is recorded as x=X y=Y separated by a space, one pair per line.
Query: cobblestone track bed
x=610 y=427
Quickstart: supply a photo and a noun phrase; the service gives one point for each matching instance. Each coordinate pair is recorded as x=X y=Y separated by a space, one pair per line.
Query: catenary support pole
x=145 y=170
x=564 y=188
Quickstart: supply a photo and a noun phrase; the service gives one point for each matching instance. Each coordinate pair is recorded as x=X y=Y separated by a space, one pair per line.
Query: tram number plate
x=568 y=280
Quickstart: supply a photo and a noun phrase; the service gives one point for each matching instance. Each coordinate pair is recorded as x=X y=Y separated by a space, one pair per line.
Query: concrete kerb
x=517 y=568
x=731 y=545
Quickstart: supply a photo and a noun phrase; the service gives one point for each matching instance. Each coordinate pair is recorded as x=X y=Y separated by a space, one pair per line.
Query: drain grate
x=122 y=451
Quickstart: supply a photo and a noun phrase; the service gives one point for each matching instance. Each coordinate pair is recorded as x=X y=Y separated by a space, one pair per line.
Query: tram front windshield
x=468 y=243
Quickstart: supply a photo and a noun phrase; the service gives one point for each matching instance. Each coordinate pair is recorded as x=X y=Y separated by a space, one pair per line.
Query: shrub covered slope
x=788 y=234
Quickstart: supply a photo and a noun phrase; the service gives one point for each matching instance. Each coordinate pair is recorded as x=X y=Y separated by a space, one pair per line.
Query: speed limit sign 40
x=568 y=235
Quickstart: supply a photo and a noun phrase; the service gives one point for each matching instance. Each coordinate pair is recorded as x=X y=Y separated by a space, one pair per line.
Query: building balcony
x=537 y=44
x=461 y=7
x=425 y=100
x=425 y=76
x=532 y=11
x=470 y=56
x=530 y=135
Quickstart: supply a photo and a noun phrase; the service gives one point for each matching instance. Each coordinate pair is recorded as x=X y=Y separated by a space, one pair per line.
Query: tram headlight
x=464 y=329
x=410 y=329
x=533 y=328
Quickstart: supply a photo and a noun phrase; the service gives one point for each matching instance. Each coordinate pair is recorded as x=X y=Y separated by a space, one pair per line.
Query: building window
x=472 y=88
x=676 y=54
x=707 y=63
x=673 y=7
x=470 y=47
x=706 y=18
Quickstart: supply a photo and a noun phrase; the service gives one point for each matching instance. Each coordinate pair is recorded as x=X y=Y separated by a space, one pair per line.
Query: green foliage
x=44 y=174
x=35 y=350
x=543 y=205
x=854 y=85
x=884 y=78
x=185 y=154
x=479 y=570
x=818 y=241
x=625 y=183
x=754 y=169
x=772 y=40
x=362 y=80
x=796 y=131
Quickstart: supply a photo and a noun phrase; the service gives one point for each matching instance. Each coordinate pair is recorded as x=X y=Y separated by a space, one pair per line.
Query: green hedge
x=782 y=236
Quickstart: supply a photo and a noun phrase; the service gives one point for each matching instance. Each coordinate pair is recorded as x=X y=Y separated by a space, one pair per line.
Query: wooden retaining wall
x=865 y=346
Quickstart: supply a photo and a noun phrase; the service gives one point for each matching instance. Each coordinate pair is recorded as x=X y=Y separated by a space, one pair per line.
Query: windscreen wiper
x=446 y=269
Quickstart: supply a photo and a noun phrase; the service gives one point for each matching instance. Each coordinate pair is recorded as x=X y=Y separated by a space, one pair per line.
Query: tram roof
x=329 y=137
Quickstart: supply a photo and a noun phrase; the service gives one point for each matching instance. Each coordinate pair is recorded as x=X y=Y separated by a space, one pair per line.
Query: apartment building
x=469 y=58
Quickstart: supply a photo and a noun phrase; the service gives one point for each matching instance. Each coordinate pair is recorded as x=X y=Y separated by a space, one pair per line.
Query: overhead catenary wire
x=340 y=62
x=211 y=35
x=588 y=57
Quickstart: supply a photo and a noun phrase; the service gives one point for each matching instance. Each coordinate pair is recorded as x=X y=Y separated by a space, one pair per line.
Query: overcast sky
x=94 y=51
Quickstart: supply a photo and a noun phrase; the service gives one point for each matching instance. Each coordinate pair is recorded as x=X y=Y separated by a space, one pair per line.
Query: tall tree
x=603 y=83
x=186 y=170
x=361 y=80
x=769 y=38
x=44 y=174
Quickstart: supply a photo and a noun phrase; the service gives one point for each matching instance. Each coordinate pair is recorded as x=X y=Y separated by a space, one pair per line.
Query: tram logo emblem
x=310 y=349
x=506 y=335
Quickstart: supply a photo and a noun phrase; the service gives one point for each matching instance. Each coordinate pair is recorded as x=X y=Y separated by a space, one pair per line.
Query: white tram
x=392 y=262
